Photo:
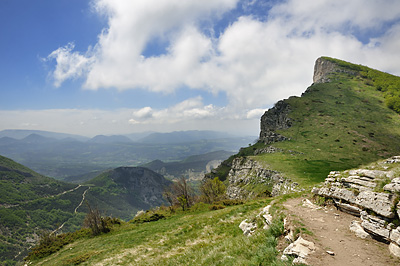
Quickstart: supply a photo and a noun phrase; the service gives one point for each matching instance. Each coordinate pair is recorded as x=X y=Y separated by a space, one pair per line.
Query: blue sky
x=112 y=66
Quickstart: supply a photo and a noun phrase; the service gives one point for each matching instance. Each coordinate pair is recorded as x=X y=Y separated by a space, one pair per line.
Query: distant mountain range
x=192 y=168
x=22 y=133
x=65 y=155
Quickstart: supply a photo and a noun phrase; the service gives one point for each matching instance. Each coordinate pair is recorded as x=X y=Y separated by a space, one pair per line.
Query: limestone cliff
x=246 y=174
x=278 y=117
x=275 y=119
x=324 y=68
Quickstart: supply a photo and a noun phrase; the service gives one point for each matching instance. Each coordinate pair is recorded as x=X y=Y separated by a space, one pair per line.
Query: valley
x=71 y=158
x=345 y=120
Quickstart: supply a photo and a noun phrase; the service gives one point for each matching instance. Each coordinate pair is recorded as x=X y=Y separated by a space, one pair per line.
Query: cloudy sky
x=119 y=66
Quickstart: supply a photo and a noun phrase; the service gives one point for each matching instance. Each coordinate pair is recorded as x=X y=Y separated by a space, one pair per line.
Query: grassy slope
x=35 y=205
x=200 y=237
x=336 y=126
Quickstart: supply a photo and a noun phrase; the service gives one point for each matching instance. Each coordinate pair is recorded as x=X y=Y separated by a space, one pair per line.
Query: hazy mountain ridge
x=62 y=158
x=337 y=124
x=193 y=167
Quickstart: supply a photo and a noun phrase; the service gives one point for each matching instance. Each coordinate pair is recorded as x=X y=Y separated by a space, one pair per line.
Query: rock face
x=372 y=195
x=274 y=119
x=324 y=68
x=145 y=186
x=247 y=172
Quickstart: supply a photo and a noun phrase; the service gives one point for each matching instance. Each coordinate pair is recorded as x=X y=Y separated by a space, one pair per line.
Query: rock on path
x=331 y=232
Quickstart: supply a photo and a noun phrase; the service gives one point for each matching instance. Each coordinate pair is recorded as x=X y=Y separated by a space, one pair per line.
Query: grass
x=336 y=126
x=197 y=237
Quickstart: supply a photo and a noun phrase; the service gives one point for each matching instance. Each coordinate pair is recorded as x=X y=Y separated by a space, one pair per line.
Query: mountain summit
x=345 y=119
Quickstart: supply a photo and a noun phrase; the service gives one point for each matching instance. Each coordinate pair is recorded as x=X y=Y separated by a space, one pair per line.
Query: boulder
x=267 y=216
x=375 y=225
x=395 y=235
x=359 y=180
x=308 y=204
x=394 y=159
x=381 y=203
x=357 y=229
x=394 y=249
x=299 y=249
x=247 y=228
x=393 y=186
x=348 y=208
x=368 y=173
x=337 y=193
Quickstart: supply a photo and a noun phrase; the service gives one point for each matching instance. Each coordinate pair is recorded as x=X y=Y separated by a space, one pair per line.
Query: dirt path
x=331 y=232
x=76 y=209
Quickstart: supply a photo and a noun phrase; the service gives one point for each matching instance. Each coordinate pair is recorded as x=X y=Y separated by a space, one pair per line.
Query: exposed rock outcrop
x=324 y=68
x=248 y=228
x=246 y=172
x=372 y=195
x=275 y=119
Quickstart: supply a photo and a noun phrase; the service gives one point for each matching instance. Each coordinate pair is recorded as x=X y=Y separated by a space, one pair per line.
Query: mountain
x=22 y=133
x=31 y=203
x=110 y=139
x=68 y=157
x=183 y=136
x=7 y=141
x=193 y=167
x=125 y=190
x=343 y=120
x=139 y=135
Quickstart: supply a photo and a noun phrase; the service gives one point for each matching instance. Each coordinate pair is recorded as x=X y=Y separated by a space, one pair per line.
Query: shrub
x=230 y=202
x=216 y=207
x=96 y=223
x=49 y=243
x=212 y=190
x=147 y=217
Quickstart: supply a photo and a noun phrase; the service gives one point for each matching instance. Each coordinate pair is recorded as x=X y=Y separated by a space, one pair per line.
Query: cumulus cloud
x=190 y=109
x=254 y=62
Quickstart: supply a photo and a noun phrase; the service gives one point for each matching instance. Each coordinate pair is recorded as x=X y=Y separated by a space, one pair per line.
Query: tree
x=213 y=190
x=179 y=193
x=168 y=196
x=95 y=221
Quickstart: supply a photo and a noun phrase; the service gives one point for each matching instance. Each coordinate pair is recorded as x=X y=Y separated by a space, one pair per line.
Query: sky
x=93 y=67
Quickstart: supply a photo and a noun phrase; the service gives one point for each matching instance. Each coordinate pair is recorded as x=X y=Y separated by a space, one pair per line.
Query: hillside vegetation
x=336 y=125
x=32 y=205
x=196 y=237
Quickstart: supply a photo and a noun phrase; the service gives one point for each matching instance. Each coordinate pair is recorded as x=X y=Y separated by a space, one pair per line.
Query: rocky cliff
x=249 y=178
x=372 y=194
x=323 y=69
x=275 y=119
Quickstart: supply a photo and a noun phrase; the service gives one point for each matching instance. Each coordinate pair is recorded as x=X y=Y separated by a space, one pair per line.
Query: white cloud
x=68 y=65
x=190 y=114
x=255 y=113
x=145 y=112
x=190 y=109
x=255 y=63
